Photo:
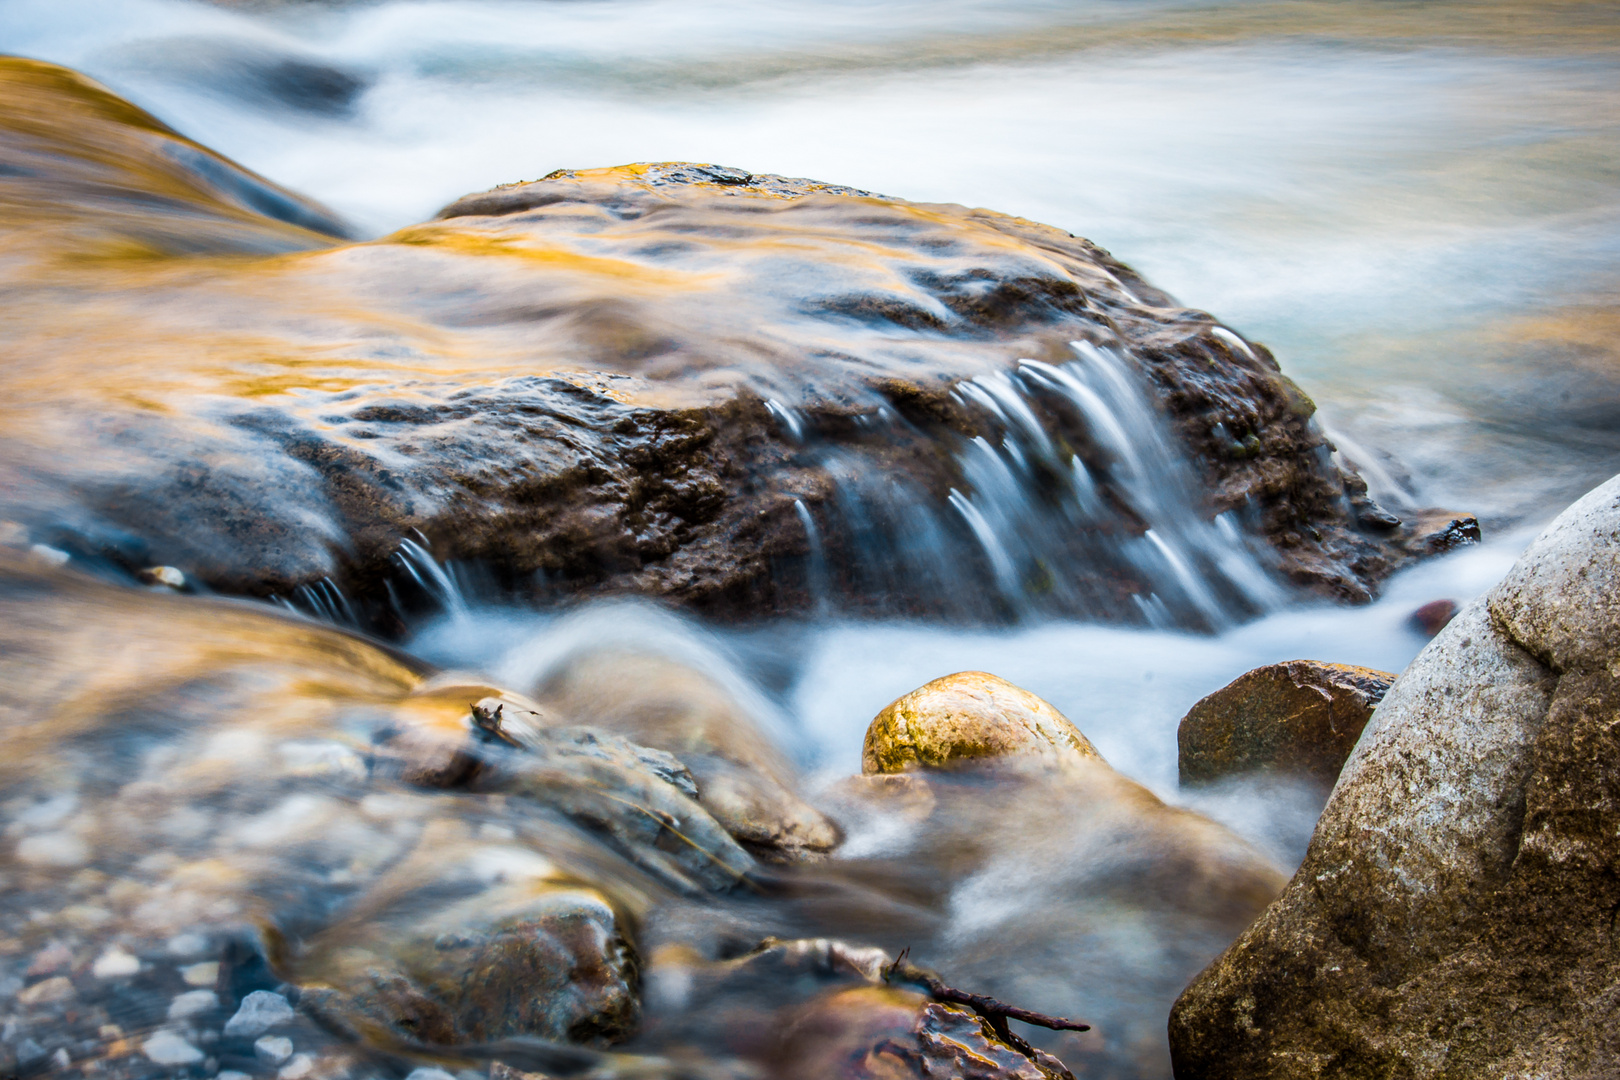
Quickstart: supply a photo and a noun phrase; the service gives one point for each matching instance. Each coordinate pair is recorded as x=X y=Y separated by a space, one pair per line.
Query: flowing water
x=1417 y=207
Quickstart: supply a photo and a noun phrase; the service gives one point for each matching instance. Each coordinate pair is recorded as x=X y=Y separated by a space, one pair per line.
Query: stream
x=1415 y=207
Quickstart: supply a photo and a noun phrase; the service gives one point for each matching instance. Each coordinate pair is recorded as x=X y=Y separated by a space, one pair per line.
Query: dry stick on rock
x=997 y=1013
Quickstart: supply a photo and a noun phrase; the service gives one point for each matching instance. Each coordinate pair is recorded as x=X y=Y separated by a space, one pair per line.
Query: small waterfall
x=324 y=601
x=819 y=578
x=438 y=582
x=1076 y=498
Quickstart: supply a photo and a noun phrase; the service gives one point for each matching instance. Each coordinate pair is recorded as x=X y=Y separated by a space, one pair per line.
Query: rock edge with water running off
x=1300 y=718
x=661 y=379
x=1455 y=913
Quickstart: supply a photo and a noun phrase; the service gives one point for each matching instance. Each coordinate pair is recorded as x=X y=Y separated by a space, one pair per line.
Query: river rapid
x=1416 y=207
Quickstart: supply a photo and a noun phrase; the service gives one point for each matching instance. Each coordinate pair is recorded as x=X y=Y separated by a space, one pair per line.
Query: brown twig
x=997 y=1012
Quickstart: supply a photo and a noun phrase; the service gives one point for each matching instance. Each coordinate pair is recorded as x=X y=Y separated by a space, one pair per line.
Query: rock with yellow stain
x=601 y=375
x=969 y=717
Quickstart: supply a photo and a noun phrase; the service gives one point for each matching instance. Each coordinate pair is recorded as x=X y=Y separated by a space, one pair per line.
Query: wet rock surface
x=971 y=716
x=297 y=854
x=1454 y=914
x=1301 y=718
x=739 y=776
x=666 y=379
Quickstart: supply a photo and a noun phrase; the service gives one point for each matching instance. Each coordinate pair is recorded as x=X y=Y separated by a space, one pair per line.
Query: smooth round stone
x=965 y=717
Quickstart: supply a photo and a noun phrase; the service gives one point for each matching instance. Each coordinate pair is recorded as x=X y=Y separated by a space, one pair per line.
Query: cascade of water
x=435 y=580
x=1075 y=497
x=322 y=600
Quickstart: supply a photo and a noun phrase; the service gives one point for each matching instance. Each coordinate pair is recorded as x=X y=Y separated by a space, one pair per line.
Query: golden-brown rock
x=1301 y=717
x=965 y=717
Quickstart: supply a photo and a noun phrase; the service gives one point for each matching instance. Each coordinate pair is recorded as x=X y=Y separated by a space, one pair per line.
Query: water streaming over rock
x=869 y=441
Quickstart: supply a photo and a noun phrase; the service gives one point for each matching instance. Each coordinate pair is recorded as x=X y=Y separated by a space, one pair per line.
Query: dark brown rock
x=1302 y=718
x=1455 y=914
x=1431 y=618
x=641 y=379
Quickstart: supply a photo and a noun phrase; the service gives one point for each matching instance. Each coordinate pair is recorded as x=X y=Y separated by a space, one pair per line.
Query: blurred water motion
x=1414 y=204
x=1417 y=206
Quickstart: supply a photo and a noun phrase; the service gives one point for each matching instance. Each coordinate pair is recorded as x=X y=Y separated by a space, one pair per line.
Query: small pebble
x=1432 y=617
x=53 y=849
x=232 y=1074
x=260 y=1011
x=192 y=1003
x=203 y=974
x=48 y=555
x=163 y=575
x=296 y=1069
x=187 y=945
x=61 y=1061
x=169 y=1048
x=48 y=992
x=115 y=963
x=429 y=1073
x=273 y=1049
x=51 y=959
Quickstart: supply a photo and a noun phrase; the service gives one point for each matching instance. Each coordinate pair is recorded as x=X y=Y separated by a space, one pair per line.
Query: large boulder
x=1455 y=914
x=734 y=391
x=1300 y=718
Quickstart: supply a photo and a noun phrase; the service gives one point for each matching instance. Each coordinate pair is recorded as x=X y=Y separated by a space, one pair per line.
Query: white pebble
x=298 y=1068
x=203 y=974
x=192 y=1003
x=169 y=1048
x=48 y=555
x=61 y=1061
x=260 y=1011
x=427 y=1072
x=53 y=849
x=273 y=1049
x=232 y=1074
x=114 y=963
x=187 y=945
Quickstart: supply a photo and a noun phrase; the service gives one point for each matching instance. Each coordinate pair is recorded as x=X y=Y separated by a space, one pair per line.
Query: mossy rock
x=966 y=717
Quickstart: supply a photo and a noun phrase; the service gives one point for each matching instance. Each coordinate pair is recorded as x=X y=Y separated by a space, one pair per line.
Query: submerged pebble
x=260 y=1011
x=165 y=1047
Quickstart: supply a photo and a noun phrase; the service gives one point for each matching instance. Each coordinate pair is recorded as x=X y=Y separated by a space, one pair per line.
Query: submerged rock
x=676 y=380
x=1454 y=915
x=1431 y=618
x=741 y=778
x=967 y=717
x=1302 y=717
x=881 y=1033
x=558 y=968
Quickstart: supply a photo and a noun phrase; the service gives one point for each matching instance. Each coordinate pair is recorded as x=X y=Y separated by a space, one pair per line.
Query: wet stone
x=968 y=717
x=661 y=438
x=167 y=1047
x=1300 y=718
x=260 y=1011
